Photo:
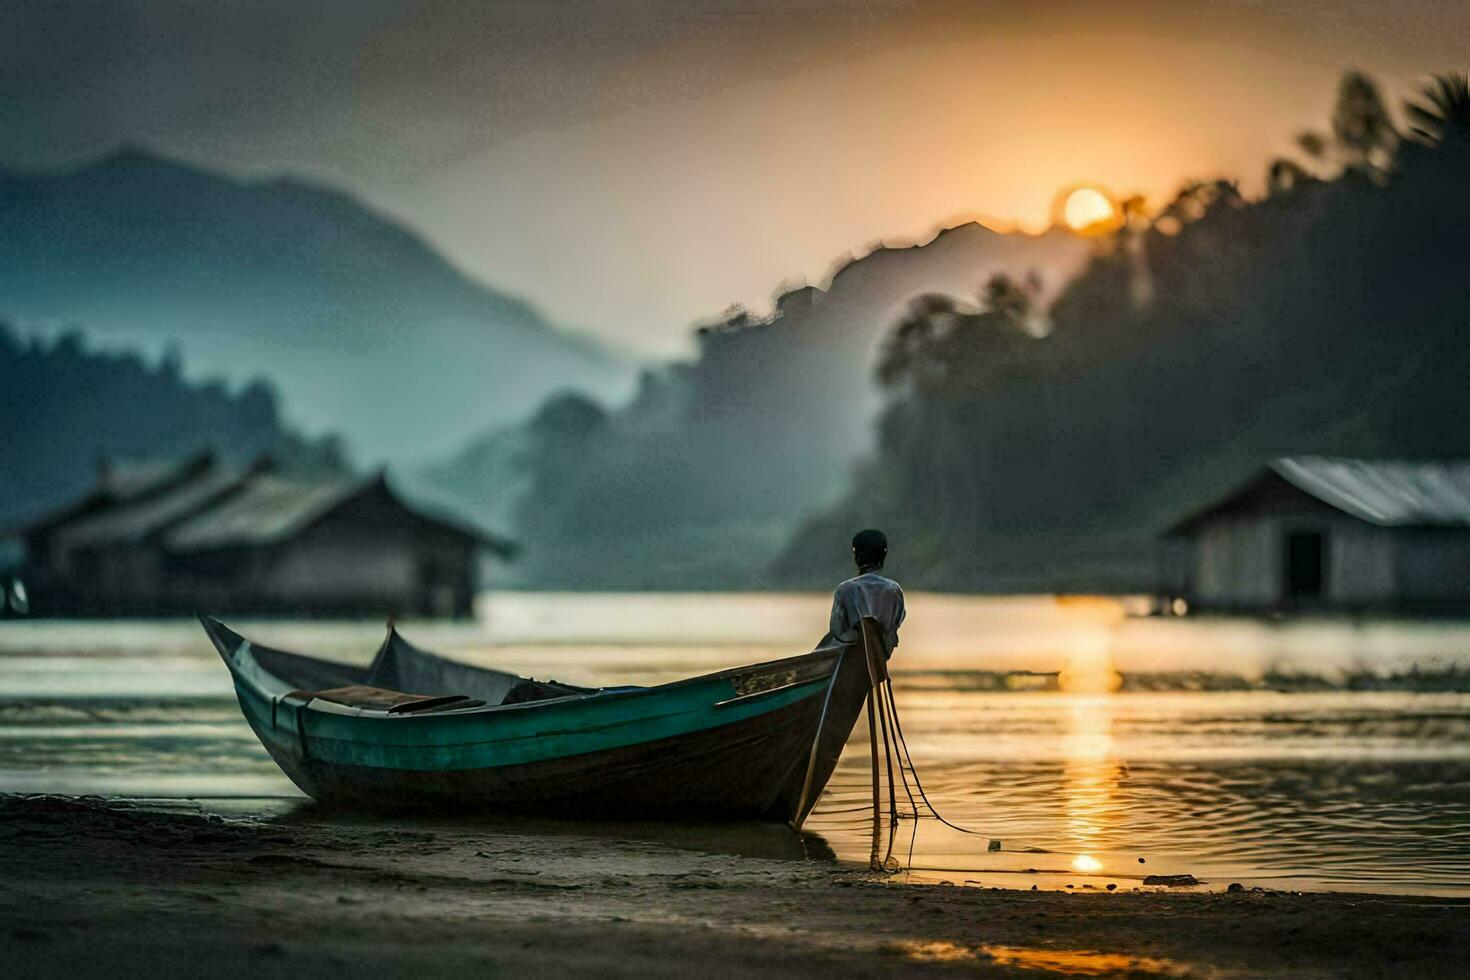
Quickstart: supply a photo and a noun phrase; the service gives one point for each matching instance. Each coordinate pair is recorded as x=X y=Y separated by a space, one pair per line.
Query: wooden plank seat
x=393 y=702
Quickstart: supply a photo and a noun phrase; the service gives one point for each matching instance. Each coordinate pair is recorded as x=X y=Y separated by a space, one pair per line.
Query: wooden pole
x=873 y=752
x=811 y=763
x=877 y=670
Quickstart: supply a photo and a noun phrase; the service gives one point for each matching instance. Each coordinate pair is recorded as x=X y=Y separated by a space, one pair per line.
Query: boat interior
x=403 y=680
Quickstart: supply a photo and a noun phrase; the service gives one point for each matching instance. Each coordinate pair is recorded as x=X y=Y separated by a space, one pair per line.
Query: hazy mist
x=630 y=167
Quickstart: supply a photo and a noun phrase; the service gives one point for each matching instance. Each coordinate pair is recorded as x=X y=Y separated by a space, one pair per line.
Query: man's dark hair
x=869 y=548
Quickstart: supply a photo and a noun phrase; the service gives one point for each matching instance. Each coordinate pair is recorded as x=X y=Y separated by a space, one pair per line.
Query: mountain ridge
x=702 y=477
x=289 y=277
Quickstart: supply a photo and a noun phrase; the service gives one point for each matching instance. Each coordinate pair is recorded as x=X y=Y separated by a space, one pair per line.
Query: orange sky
x=637 y=221
x=631 y=167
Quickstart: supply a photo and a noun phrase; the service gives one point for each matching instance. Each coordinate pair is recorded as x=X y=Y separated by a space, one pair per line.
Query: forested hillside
x=361 y=324
x=1332 y=316
x=700 y=481
x=65 y=407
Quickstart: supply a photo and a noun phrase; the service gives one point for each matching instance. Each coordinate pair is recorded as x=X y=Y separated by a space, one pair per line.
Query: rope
x=880 y=697
x=893 y=712
x=877 y=675
x=885 y=696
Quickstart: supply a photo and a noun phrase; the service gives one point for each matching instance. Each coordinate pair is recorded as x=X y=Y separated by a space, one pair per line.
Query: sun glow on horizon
x=1088 y=209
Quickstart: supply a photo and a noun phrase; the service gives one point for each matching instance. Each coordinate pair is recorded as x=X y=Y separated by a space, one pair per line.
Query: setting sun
x=1088 y=208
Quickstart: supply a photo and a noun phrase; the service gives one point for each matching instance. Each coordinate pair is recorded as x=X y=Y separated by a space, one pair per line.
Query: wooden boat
x=416 y=730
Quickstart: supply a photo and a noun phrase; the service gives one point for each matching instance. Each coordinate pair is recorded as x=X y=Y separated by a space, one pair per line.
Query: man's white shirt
x=869 y=594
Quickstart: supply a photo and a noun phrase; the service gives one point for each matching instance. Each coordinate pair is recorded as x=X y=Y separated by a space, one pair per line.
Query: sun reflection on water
x=1085 y=962
x=1064 y=962
x=1086 y=863
x=1091 y=769
x=1090 y=775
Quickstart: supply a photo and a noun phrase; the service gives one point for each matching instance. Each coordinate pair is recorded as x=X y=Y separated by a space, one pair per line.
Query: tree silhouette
x=1361 y=125
x=1444 y=112
x=1004 y=296
x=907 y=355
x=1198 y=199
x=66 y=406
x=1285 y=175
x=1327 y=318
x=1313 y=144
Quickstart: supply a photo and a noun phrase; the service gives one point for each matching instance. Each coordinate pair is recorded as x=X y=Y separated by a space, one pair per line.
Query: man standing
x=869 y=594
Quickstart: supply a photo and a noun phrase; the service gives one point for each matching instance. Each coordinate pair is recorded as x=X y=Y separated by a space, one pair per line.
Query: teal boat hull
x=753 y=743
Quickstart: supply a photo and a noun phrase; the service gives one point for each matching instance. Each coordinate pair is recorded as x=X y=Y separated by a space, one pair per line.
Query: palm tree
x=1313 y=144
x=1284 y=176
x=1444 y=112
x=1360 y=124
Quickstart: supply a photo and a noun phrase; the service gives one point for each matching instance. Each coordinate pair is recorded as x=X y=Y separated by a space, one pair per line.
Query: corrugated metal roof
x=1385 y=492
x=205 y=503
x=266 y=509
x=124 y=479
x=117 y=483
x=146 y=512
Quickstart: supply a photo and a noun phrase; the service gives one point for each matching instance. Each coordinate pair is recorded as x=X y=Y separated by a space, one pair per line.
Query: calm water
x=1310 y=755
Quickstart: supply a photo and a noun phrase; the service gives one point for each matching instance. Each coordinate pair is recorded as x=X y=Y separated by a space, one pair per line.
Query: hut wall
x=1240 y=561
x=1236 y=564
x=1432 y=566
x=347 y=563
x=1360 y=563
x=127 y=577
x=338 y=562
x=366 y=553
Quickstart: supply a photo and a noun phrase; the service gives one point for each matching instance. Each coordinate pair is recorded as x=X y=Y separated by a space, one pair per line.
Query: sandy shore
x=98 y=887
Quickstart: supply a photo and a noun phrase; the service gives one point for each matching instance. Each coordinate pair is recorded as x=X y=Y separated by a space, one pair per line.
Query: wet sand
x=96 y=887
